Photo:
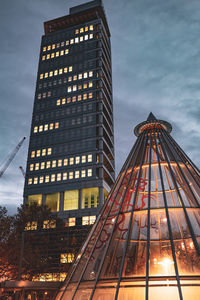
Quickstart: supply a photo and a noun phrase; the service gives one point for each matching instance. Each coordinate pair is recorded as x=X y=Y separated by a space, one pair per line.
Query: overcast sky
x=155 y=64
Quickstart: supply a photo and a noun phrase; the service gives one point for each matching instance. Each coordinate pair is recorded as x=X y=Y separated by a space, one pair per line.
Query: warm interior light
x=166 y=262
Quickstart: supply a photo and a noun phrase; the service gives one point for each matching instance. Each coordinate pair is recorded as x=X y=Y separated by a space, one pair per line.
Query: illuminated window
x=58 y=176
x=66 y=258
x=69 y=78
x=56 y=125
x=48 y=164
x=62 y=52
x=43 y=57
x=69 y=89
x=83 y=173
x=46 y=75
x=53 y=177
x=86 y=28
x=90 y=95
x=90 y=197
x=71 y=161
x=58 y=45
x=80 y=86
x=37 y=165
x=74 y=88
x=71 y=41
x=75 y=77
x=31 y=167
x=90 y=74
x=79 y=97
x=65 y=176
x=62 y=44
x=56 y=72
x=71 y=175
x=50 y=73
x=43 y=152
x=60 y=163
x=67 y=43
x=60 y=71
x=30 y=181
x=49 y=47
x=52 y=55
x=58 y=102
x=86 y=37
x=42 y=165
x=47 y=178
x=47 y=224
x=77 y=159
x=31 y=225
x=81 y=38
x=85 y=85
x=41 y=179
x=39 y=96
x=46 y=126
x=68 y=100
x=53 y=163
x=65 y=162
x=70 y=69
x=88 y=220
x=91 y=35
x=83 y=159
x=76 y=32
x=84 y=96
x=71 y=200
x=80 y=76
x=51 y=126
x=38 y=153
x=71 y=222
x=49 y=151
x=90 y=84
x=91 y=27
x=89 y=172
x=44 y=95
x=65 y=70
x=81 y=30
x=85 y=75
x=41 y=76
x=63 y=101
x=35 y=199
x=89 y=157
x=66 y=51
x=53 y=46
x=48 y=56
x=52 y=201
x=35 y=180
x=32 y=154
x=44 y=49
x=74 y=99
x=35 y=129
x=57 y=53
x=77 y=174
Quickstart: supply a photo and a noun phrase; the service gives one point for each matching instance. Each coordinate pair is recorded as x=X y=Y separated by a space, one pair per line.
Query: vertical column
x=61 y=206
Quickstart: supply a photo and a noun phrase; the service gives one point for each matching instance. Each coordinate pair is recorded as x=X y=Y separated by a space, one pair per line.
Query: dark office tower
x=70 y=164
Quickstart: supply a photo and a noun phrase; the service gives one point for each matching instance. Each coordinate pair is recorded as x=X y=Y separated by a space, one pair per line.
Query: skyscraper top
x=78 y=15
x=152 y=123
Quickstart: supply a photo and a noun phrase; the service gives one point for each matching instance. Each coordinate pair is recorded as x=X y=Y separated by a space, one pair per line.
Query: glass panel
x=35 y=199
x=71 y=200
x=191 y=292
x=90 y=197
x=164 y=293
x=133 y=293
x=53 y=201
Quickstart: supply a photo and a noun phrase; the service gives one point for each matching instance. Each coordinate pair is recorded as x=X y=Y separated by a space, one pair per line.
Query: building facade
x=70 y=165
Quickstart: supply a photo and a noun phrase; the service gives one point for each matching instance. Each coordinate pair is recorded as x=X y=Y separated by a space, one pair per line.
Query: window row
x=49 y=277
x=64 y=80
x=56 y=72
x=61 y=162
x=44 y=95
x=75 y=87
x=41 y=152
x=46 y=127
x=55 y=54
x=71 y=41
x=80 y=97
x=84 y=29
x=60 y=176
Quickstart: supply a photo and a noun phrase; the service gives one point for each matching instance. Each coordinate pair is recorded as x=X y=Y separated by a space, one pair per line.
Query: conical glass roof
x=145 y=243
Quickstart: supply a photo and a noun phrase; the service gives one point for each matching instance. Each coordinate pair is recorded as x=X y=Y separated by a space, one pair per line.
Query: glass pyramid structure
x=145 y=243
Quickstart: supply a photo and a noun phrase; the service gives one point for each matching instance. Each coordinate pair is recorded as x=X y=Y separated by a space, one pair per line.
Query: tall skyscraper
x=70 y=165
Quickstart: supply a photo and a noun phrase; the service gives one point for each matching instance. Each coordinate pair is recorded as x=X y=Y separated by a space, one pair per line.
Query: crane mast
x=11 y=157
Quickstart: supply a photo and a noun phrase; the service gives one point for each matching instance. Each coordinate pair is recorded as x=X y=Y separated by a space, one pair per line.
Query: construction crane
x=22 y=170
x=11 y=157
